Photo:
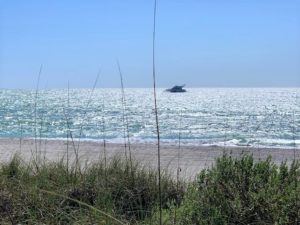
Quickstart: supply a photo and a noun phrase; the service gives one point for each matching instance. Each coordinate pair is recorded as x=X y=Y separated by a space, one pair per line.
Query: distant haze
x=199 y=43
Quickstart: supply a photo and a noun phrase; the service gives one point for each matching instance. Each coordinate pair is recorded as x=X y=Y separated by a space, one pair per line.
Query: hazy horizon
x=158 y=88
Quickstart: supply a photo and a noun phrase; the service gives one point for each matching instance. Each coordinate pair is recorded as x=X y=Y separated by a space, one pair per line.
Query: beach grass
x=51 y=193
x=233 y=191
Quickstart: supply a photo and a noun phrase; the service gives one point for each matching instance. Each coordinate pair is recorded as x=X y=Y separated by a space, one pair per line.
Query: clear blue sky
x=203 y=43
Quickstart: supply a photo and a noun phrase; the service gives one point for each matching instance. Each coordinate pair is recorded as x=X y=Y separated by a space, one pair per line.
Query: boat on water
x=176 y=89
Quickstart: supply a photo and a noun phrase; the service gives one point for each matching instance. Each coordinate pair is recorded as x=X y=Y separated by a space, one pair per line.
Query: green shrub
x=241 y=191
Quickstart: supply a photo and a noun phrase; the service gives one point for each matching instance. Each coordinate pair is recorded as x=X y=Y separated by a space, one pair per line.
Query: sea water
x=259 y=117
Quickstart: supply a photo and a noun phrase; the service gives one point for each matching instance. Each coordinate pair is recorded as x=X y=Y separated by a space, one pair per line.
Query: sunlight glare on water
x=231 y=116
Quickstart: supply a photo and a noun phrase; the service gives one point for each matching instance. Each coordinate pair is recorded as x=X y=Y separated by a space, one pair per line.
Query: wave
x=264 y=143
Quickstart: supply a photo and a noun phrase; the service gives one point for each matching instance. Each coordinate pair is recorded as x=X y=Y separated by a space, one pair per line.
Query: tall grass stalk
x=123 y=110
x=66 y=112
x=104 y=140
x=86 y=107
x=104 y=153
x=179 y=149
x=125 y=118
x=83 y=119
x=178 y=164
x=35 y=111
x=42 y=126
x=294 y=161
x=294 y=136
x=156 y=113
x=21 y=134
x=68 y=131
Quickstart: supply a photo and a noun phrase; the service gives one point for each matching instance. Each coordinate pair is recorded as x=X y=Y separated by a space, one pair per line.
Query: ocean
x=258 y=117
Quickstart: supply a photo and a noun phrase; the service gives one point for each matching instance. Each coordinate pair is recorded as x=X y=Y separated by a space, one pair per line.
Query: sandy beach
x=192 y=158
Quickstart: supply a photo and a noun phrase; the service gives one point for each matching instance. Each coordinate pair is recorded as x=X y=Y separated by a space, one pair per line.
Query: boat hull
x=176 y=91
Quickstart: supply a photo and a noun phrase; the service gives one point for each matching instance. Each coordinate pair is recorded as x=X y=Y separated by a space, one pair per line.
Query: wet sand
x=191 y=158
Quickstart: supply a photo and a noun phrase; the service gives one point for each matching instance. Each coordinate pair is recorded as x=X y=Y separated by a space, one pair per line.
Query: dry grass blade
x=83 y=204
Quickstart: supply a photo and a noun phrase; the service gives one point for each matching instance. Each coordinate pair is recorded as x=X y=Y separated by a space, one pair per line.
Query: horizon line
x=200 y=87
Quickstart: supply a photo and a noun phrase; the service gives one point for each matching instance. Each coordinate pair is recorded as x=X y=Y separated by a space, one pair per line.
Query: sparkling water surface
x=259 y=117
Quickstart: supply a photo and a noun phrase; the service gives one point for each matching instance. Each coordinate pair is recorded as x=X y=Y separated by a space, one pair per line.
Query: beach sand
x=192 y=158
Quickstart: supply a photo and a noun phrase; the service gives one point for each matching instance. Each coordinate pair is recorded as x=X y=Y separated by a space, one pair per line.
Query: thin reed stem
x=125 y=118
x=178 y=165
x=156 y=114
x=104 y=142
x=84 y=115
x=21 y=135
x=68 y=131
x=294 y=161
x=87 y=106
x=179 y=150
x=35 y=110
x=294 y=136
x=104 y=151
x=66 y=113
x=123 y=110
x=70 y=135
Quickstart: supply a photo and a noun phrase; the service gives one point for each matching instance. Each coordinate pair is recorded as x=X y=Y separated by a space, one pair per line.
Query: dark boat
x=176 y=89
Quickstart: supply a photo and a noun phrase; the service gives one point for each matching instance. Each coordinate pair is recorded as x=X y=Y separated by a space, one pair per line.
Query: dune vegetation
x=233 y=191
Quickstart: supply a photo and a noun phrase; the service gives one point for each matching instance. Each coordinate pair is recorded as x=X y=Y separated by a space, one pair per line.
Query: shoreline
x=173 y=142
x=192 y=159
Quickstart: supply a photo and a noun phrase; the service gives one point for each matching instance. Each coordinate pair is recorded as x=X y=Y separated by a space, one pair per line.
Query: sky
x=200 y=43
